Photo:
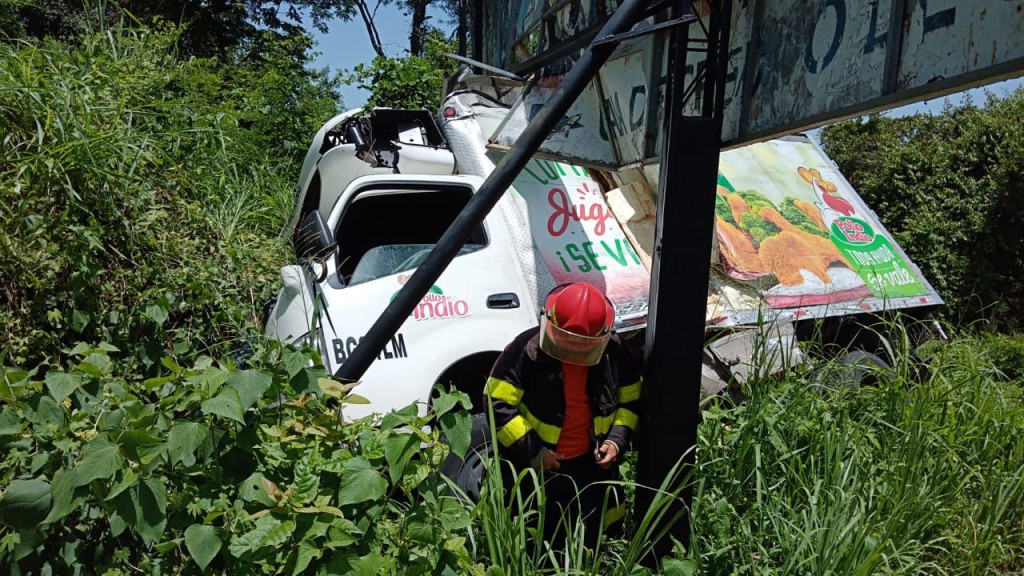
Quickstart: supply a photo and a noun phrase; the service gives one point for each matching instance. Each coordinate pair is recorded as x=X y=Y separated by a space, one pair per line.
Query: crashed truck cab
x=377 y=191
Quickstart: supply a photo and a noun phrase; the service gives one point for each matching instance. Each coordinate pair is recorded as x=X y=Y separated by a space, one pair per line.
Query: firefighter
x=565 y=401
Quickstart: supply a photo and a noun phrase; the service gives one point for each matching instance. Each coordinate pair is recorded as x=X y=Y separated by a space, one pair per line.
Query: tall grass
x=138 y=201
x=811 y=477
x=899 y=478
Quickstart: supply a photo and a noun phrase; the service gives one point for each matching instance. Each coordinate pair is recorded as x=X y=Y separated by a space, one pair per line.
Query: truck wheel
x=468 y=474
x=855 y=368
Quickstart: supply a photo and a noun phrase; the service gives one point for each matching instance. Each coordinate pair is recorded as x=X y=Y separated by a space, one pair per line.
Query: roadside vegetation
x=142 y=193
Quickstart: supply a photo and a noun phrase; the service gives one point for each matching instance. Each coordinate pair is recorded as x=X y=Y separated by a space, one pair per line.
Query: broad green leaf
x=171 y=365
x=169 y=545
x=25 y=503
x=60 y=385
x=250 y=385
x=102 y=460
x=355 y=399
x=10 y=424
x=203 y=543
x=674 y=567
x=279 y=534
x=399 y=448
x=47 y=412
x=457 y=427
x=369 y=565
x=151 y=384
x=128 y=479
x=95 y=365
x=184 y=440
x=251 y=490
x=294 y=362
x=268 y=532
x=306 y=553
x=453 y=514
x=307 y=477
x=151 y=512
x=80 y=349
x=157 y=312
x=445 y=401
x=342 y=533
x=422 y=532
x=306 y=381
x=62 y=491
x=360 y=482
x=138 y=444
x=226 y=404
x=79 y=320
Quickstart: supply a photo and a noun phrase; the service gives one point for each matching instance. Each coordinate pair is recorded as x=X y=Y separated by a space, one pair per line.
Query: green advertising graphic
x=875 y=259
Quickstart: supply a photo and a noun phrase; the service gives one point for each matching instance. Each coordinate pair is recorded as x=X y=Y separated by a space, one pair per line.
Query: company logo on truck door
x=436 y=305
x=393 y=349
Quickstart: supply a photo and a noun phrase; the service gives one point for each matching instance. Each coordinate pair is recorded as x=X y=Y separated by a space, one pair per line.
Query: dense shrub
x=143 y=194
x=210 y=468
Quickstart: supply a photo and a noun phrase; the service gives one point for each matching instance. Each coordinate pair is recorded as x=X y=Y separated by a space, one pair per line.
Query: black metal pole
x=679 y=286
x=489 y=193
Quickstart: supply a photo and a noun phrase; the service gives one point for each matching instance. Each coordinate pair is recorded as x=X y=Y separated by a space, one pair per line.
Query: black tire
x=468 y=474
x=856 y=368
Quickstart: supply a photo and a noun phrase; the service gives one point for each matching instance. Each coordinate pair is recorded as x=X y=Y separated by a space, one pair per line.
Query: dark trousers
x=576 y=490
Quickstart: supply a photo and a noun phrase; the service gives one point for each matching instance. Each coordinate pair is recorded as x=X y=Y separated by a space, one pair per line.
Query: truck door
x=385 y=227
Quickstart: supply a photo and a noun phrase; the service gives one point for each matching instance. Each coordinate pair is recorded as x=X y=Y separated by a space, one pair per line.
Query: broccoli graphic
x=799 y=218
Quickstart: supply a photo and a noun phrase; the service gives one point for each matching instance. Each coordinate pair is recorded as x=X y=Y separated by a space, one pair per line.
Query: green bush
x=143 y=194
x=1007 y=354
x=209 y=468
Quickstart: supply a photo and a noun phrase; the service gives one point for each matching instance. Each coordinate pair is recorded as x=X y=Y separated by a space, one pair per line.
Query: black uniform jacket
x=526 y=392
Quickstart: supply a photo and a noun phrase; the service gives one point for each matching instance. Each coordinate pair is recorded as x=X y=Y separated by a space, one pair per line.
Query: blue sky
x=347 y=44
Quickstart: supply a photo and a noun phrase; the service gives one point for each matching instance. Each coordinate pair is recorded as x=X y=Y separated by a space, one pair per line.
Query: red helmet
x=576 y=324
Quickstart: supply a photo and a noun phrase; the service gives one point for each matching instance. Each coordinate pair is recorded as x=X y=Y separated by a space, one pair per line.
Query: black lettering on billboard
x=636 y=116
x=941 y=19
x=339 y=350
x=837 y=38
x=613 y=111
x=732 y=76
x=874 y=39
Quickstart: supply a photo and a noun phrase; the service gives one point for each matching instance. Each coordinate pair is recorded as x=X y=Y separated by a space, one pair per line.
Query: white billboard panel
x=792 y=64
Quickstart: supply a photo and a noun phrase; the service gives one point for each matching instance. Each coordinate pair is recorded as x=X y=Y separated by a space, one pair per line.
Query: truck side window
x=386 y=230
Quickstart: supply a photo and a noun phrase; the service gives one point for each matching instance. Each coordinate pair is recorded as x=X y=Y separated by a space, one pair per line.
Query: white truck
x=378 y=188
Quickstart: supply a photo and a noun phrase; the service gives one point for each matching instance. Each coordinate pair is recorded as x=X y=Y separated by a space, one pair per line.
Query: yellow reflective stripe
x=515 y=429
x=549 y=433
x=630 y=393
x=626 y=418
x=615 y=514
x=502 y=390
x=602 y=424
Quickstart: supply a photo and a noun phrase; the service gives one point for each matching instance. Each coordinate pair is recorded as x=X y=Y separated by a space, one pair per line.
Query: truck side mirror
x=314 y=239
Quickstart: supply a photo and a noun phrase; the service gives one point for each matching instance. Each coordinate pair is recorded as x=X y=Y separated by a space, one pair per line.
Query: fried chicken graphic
x=783 y=254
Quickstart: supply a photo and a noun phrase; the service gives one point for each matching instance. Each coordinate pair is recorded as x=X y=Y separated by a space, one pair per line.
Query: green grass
x=905 y=477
